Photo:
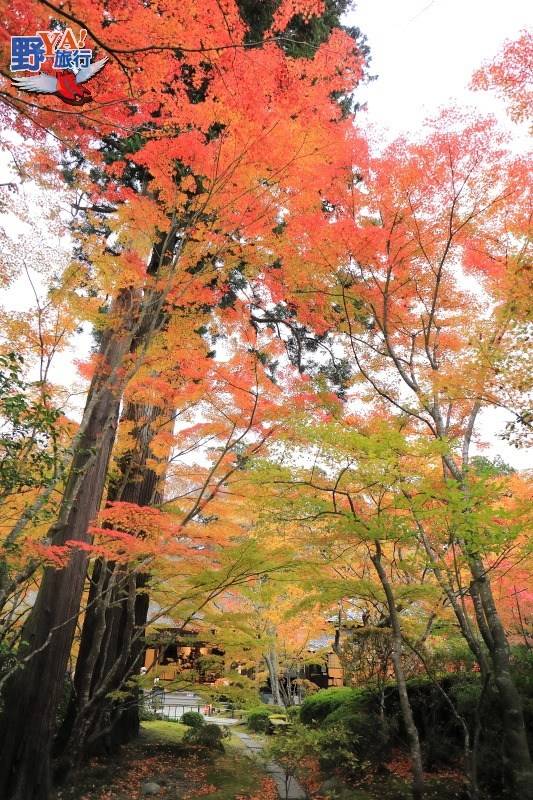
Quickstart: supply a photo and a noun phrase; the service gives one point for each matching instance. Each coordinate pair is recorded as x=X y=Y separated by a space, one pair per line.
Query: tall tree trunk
x=92 y=698
x=104 y=642
x=516 y=750
x=31 y=696
x=396 y=656
x=136 y=484
x=517 y=756
x=466 y=626
x=271 y=660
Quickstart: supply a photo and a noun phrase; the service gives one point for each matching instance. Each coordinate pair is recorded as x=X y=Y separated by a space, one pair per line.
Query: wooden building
x=171 y=651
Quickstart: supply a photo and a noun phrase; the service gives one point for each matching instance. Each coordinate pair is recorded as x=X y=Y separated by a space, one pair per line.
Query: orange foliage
x=510 y=75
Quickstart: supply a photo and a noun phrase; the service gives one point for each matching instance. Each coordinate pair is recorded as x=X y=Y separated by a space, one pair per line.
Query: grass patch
x=230 y=774
x=233 y=774
x=160 y=732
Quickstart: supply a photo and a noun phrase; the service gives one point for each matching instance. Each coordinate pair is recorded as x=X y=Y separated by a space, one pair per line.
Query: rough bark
x=31 y=696
x=105 y=642
x=516 y=751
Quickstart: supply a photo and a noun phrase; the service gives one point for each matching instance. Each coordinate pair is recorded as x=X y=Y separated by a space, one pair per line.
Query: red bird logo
x=67 y=85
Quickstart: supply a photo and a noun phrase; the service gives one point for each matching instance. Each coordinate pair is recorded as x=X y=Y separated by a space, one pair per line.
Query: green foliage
x=241 y=693
x=207 y=736
x=371 y=735
x=259 y=721
x=145 y=715
x=293 y=713
x=267 y=708
x=211 y=664
x=8 y=659
x=338 y=747
x=290 y=749
x=333 y=746
x=359 y=727
x=450 y=649
x=301 y=37
x=258 y=718
x=192 y=719
x=318 y=706
x=490 y=468
x=522 y=660
x=28 y=437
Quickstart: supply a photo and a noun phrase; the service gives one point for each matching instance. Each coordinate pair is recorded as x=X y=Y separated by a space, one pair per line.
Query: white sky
x=425 y=51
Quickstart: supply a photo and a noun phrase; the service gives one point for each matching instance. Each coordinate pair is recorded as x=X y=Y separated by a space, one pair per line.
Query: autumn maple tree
x=421 y=241
x=509 y=75
x=206 y=169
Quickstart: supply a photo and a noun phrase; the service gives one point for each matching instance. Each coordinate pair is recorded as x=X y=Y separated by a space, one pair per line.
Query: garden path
x=288 y=787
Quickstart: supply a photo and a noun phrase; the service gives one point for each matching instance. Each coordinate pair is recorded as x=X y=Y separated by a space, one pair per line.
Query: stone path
x=287 y=791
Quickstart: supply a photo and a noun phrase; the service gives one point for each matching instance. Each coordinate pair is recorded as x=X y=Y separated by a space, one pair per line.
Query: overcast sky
x=424 y=52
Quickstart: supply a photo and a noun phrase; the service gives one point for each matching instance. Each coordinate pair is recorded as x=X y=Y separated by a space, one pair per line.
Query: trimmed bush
x=367 y=734
x=270 y=709
x=207 y=736
x=192 y=719
x=318 y=706
x=259 y=721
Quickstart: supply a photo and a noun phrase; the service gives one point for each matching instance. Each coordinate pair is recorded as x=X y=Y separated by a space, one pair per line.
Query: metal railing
x=155 y=702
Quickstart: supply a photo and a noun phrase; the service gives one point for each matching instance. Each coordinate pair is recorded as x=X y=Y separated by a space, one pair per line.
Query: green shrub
x=522 y=661
x=213 y=664
x=338 y=749
x=318 y=706
x=264 y=708
x=293 y=713
x=289 y=749
x=372 y=737
x=192 y=719
x=271 y=710
x=332 y=745
x=355 y=727
x=146 y=714
x=259 y=721
x=207 y=736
